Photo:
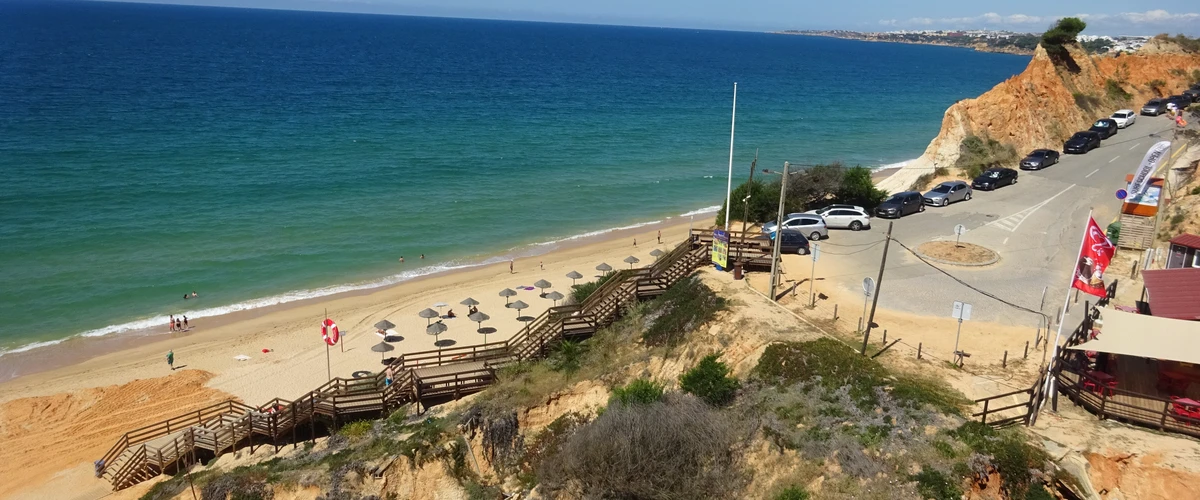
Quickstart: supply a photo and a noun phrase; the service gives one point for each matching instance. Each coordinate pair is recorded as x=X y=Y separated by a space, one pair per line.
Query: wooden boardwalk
x=422 y=378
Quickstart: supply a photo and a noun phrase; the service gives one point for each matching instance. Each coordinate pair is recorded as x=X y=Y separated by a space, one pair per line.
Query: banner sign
x=1141 y=178
x=720 y=248
x=1093 y=260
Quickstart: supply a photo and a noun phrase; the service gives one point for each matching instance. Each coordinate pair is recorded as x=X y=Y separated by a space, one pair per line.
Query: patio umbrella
x=469 y=302
x=428 y=314
x=555 y=296
x=381 y=348
x=518 y=305
x=574 y=275
x=384 y=325
x=631 y=260
x=543 y=284
x=604 y=268
x=656 y=253
x=439 y=307
x=436 y=329
x=479 y=317
x=506 y=293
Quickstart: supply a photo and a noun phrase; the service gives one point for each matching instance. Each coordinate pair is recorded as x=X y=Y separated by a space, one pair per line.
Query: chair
x=1090 y=385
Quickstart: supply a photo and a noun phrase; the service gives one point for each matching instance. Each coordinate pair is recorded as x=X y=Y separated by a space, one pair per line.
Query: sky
x=1104 y=17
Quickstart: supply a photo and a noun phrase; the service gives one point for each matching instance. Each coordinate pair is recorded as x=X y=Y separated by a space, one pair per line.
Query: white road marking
x=1135 y=146
x=1012 y=222
x=1093 y=172
x=1114 y=159
x=1005 y=241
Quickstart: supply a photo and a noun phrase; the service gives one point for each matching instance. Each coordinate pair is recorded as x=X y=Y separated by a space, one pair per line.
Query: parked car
x=792 y=242
x=810 y=224
x=847 y=218
x=825 y=210
x=901 y=204
x=1124 y=118
x=993 y=178
x=1154 y=107
x=1193 y=93
x=1106 y=127
x=948 y=192
x=1081 y=143
x=1039 y=159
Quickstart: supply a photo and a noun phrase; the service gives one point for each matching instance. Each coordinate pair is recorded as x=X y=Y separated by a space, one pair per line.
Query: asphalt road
x=1034 y=225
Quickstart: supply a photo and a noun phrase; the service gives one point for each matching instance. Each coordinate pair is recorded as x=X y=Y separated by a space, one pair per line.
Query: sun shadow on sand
x=393 y=338
x=444 y=343
x=487 y=330
x=525 y=318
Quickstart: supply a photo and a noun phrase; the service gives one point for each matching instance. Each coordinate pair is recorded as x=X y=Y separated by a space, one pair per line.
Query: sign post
x=961 y=312
x=816 y=254
x=720 y=249
x=868 y=286
x=958 y=232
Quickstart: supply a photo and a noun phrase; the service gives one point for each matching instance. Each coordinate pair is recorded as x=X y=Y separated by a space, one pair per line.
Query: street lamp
x=778 y=225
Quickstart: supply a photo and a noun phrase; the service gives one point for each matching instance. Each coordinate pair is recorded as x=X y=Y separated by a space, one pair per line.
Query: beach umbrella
x=506 y=293
x=518 y=305
x=469 y=302
x=436 y=329
x=439 y=307
x=631 y=260
x=574 y=275
x=428 y=314
x=382 y=348
x=656 y=253
x=479 y=317
x=543 y=284
x=384 y=325
x=555 y=296
x=604 y=268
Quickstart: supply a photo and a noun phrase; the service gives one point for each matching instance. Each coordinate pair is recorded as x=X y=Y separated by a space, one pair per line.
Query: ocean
x=259 y=156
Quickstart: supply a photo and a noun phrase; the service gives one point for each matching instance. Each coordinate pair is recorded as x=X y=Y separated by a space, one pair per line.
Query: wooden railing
x=1110 y=402
x=224 y=424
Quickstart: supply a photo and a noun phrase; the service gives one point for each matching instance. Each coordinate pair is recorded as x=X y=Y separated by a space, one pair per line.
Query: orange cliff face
x=1042 y=106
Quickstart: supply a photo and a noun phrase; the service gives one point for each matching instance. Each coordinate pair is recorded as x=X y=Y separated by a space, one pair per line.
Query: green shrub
x=1196 y=190
x=792 y=493
x=682 y=309
x=858 y=188
x=582 y=291
x=1115 y=92
x=1158 y=86
x=1176 y=220
x=918 y=390
x=1010 y=455
x=567 y=357
x=763 y=203
x=931 y=483
x=1097 y=46
x=977 y=154
x=357 y=429
x=921 y=182
x=638 y=392
x=1062 y=33
x=710 y=381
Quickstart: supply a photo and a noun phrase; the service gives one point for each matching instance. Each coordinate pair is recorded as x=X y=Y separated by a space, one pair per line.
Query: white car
x=808 y=224
x=824 y=210
x=1124 y=118
x=851 y=217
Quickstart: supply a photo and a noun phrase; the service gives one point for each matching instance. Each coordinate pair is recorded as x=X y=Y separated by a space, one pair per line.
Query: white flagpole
x=1066 y=301
x=729 y=182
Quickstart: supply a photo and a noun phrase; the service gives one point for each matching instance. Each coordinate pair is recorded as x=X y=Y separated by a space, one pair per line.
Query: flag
x=1094 y=257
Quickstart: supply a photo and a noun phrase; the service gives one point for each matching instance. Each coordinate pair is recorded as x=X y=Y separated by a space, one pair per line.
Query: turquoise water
x=259 y=157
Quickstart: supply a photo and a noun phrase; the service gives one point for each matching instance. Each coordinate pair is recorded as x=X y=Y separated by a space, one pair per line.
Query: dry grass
x=961 y=253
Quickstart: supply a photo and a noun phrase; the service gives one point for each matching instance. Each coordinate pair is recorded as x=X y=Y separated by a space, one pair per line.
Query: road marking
x=1093 y=172
x=1114 y=159
x=1012 y=222
x=1135 y=146
x=1005 y=241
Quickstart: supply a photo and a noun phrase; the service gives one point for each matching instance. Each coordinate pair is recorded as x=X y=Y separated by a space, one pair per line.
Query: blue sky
x=1103 y=16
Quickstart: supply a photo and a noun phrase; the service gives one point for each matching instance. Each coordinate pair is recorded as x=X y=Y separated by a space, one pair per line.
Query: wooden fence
x=418 y=378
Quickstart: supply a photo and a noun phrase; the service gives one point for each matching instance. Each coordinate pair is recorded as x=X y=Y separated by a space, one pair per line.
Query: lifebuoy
x=329 y=331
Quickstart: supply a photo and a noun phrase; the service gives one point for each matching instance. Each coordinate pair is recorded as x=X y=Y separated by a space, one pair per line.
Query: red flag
x=1094 y=257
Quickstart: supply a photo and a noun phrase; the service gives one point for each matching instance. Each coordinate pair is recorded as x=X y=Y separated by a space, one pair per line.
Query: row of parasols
x=438 y=328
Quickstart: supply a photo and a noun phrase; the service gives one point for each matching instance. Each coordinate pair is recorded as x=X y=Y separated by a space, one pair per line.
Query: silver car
x=947 y=193
x=808 y=224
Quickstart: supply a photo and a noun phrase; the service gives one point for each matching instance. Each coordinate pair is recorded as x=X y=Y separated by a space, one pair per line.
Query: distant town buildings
x=988 y=40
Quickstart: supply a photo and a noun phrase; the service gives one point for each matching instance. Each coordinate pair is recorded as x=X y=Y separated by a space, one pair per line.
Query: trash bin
x=1114 y=231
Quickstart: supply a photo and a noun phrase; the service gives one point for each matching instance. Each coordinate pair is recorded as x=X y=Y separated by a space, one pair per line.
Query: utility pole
x=779 y=232
x=746 y=205
x=878 y=286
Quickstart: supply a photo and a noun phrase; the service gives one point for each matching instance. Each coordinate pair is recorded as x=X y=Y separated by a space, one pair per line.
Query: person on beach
x=185 y=323
x=401 y=258
x=660 y=235
x=510 y=266
x=541 y=266
x=422 y=256
x=171 y=359
x=185 y=296
x=171 y=322
x=194 y=295
x=450 y=314
x=178 y=325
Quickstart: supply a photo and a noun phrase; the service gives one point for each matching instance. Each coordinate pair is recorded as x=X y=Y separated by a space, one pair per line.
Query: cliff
x=1050 y=100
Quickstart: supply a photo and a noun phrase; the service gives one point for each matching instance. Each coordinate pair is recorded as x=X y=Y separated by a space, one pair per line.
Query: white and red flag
x=1094 y=257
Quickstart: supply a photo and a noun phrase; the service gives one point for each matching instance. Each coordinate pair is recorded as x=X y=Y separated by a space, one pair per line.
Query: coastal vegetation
x=1062 y=33
x=977 y=154
x=813 y=187
x=1187 y=44
x=582 y=291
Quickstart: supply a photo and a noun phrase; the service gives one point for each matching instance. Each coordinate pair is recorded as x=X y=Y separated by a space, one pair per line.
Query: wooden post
x=983 y=418
x=161 y=470
x=1026 y=350
x=1103 y=400
x=919 y=344
x=1166 y=411
x=1004 y=362
x=885 y=336
x=835 y=312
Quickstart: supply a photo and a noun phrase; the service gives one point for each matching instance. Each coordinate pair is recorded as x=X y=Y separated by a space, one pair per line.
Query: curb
x=960 y=264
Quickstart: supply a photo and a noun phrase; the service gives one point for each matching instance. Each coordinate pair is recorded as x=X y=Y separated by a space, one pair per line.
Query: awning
x=1174 y=293
x=1144 y=336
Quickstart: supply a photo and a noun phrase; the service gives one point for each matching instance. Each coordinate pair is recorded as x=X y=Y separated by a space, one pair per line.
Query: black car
x=1193 y=94
x=1154 y=107
x=993 y=178
x=901 y=204
x=1106 y=127
x=1081 y=143
x=792 y=242
x=1181 y=101
x=1039 y=159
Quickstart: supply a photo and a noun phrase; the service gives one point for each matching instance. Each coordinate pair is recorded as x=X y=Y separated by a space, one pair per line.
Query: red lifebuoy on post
x=329 y=331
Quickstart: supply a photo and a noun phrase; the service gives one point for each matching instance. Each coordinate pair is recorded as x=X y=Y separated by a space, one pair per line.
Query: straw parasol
x=518 y=305
x=428 y=314
x=555 y=296
x=382 y=348
x=631 y=260
x=436 y=329
x=384 y=325
x=479 y=317
x=543 y=284
x=469 y=302
x=604 y=268
x=506 y=293
x=574 y=275
x=656 y=253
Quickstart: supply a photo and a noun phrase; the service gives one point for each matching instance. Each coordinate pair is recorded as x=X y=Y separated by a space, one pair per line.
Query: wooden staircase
x=146 y=452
